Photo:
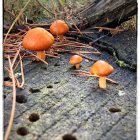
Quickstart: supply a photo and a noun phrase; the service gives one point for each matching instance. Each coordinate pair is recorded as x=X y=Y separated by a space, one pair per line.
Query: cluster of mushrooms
x=38 y=39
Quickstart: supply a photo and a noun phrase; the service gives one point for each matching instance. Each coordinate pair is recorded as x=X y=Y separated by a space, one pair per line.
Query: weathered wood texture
x=65 y=104
x=105 y=12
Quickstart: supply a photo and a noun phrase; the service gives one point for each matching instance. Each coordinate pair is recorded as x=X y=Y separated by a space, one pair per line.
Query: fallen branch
x=109 y=29
x=108 y=13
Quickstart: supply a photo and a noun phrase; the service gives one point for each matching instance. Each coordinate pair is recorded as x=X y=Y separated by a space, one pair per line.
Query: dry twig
x=7 y=134
x=85 y=73
x=110 y=29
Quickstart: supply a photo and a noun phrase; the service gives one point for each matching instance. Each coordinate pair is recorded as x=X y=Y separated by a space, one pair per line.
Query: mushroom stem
x=41 y=54
x=61 y=38
x=77 y=66
x=102 y=82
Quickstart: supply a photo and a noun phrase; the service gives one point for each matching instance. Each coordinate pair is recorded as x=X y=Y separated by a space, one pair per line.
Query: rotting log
x=110 y=13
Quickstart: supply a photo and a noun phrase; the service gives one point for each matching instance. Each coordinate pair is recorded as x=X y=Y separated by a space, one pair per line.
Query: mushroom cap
x=59 y=27
x=101 y=68
x=75 y=59
x=38 y=39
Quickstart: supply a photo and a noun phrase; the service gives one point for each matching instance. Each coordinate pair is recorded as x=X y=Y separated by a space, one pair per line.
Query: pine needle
x=7 y=134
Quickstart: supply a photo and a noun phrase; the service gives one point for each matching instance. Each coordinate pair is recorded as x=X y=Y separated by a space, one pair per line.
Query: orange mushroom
x=38 y=39
x=59 y=27
x=101 y=69
x=76 y=60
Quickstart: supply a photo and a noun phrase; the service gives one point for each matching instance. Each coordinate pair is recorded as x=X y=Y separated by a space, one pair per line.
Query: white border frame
x=1 y=71
x=138 y=74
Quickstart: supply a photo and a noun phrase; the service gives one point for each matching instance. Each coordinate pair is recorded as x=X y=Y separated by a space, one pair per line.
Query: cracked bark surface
x=109 y=13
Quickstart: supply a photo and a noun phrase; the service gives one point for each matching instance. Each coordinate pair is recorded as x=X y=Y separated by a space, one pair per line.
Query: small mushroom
x=101 y=69
x=59 y=27
x=38 y=39
x=76 y=60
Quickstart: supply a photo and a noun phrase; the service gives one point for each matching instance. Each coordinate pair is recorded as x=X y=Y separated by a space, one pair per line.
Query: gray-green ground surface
x=54 y=102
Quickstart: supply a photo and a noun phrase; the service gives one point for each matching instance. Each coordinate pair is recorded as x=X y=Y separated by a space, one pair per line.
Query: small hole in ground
x=21 y=99
x=69 y=137
x=22 y=131
x=57 y=82
x=32 y=90
x=6 y=78
x=34 y=117
x=44 y=67
x=56 y=64
x=4 y=96
x=50 y=86
x=114 y=110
